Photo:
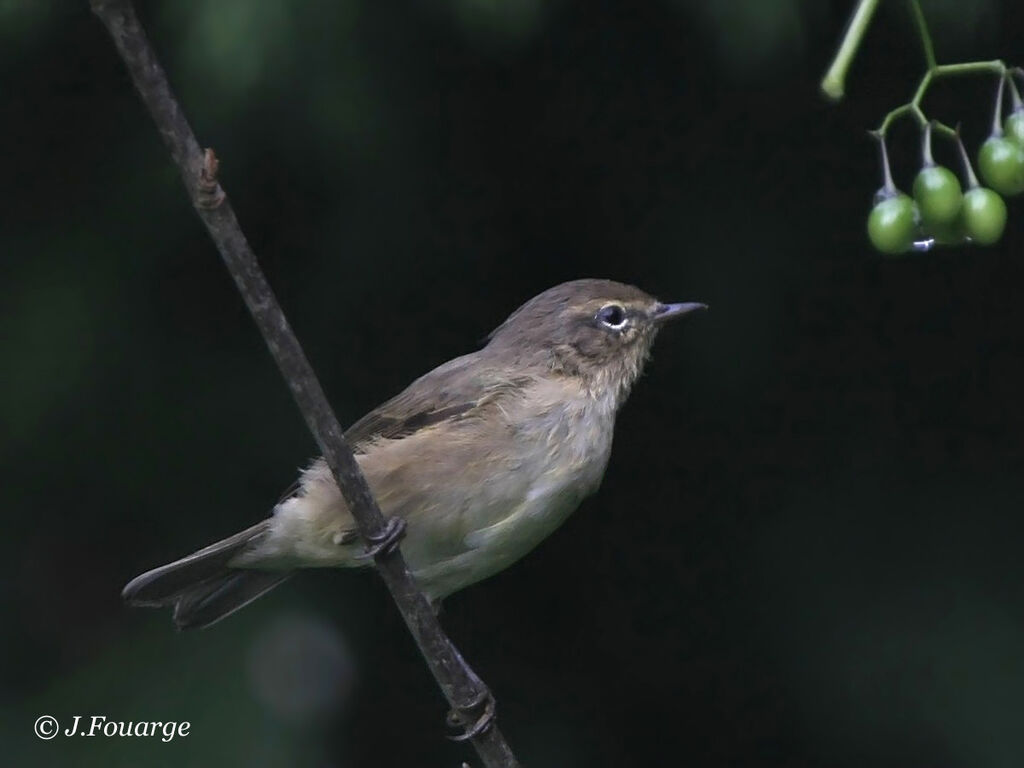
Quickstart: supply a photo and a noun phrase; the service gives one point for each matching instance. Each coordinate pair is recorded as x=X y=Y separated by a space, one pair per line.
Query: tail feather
x=210 y=601
x=203 y=588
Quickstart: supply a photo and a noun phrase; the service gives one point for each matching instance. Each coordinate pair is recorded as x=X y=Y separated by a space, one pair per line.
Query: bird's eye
x=612 y=316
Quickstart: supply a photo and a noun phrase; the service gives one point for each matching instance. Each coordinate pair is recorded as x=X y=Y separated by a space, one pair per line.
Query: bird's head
x=599 y=330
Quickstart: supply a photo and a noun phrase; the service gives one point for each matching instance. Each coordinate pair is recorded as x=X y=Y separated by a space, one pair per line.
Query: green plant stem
x=913 y=107
x=833 y=85
x=922 y=31
x=995 y=66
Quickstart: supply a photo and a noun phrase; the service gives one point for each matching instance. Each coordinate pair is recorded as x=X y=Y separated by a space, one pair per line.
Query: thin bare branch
x=469 y=698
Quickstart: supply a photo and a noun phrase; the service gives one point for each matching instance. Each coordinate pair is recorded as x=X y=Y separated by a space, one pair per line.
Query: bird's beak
x=665 y=312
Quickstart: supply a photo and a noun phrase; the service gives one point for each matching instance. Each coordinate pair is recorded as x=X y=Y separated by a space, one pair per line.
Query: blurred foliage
x=500 y=23
x=752 y=35
x=805 y=548
x=234 y=46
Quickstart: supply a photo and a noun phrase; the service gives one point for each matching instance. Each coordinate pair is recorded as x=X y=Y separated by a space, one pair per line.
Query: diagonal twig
x=465 y=692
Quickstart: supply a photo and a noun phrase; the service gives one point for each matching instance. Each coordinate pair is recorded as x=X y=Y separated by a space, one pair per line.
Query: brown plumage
x=483 y=457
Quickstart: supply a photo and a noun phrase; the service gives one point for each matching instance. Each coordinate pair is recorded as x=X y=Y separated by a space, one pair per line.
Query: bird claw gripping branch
x=474 y=718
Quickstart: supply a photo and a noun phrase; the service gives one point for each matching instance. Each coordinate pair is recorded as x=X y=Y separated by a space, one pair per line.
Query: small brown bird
x=483 y=458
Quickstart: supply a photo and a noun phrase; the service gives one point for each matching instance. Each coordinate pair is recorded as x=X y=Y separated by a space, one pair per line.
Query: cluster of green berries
x=941 y=212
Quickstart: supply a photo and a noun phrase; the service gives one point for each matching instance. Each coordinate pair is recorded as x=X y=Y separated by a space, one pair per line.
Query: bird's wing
x=456 y=390
x=429 y=433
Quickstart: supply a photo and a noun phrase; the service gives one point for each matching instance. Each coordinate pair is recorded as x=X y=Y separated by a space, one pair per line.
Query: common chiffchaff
x=483 y=458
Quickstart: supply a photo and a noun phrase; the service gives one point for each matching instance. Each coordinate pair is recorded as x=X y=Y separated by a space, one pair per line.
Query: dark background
x=806 y=551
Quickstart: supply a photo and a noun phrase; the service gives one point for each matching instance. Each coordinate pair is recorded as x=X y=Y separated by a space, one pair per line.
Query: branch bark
x=469 y=698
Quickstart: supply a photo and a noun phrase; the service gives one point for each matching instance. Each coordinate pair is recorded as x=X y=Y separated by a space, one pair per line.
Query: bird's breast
x=561 y=454
x=476 y=496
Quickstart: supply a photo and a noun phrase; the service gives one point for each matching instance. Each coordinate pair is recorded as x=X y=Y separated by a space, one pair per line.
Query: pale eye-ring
x=612 y=316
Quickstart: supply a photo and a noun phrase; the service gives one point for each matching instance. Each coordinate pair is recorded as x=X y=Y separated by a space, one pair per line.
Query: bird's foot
x=473 y=718
x=387 y=540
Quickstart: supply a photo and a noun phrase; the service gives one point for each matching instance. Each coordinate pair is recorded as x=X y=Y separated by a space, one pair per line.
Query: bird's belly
x=502 y=539
x=469 y=513
x=494 y=548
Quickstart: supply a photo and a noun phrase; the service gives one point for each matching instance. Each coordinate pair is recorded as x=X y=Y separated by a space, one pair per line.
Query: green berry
x=891 y=224
x=948 y=233
x=1014 y=127
x=1001 y=163
x=984 y=215
x=938 y=195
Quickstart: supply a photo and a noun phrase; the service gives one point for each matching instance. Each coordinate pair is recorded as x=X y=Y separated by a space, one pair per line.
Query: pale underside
x=478 y=489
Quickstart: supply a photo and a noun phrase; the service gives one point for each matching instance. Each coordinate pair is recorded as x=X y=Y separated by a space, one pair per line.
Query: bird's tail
x=203 y=588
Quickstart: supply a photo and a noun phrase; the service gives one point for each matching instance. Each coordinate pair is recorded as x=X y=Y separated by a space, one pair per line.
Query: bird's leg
x=387 y=540
x=476 y=715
